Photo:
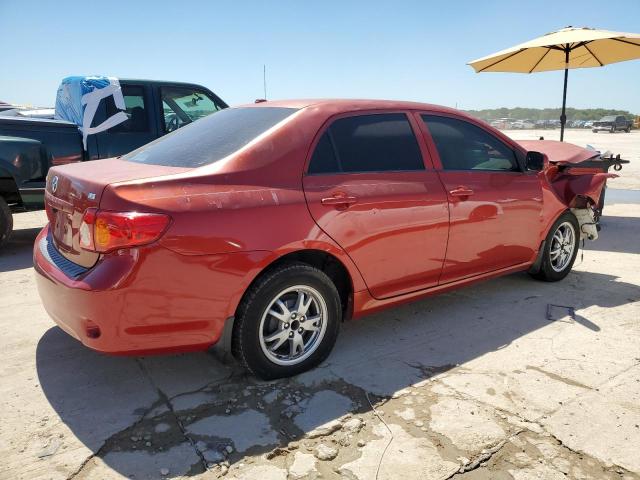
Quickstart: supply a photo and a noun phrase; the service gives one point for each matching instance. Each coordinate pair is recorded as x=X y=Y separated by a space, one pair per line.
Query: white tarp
x=78 y=99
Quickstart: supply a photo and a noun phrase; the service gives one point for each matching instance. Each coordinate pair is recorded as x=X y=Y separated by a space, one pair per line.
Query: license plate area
x=62 y=229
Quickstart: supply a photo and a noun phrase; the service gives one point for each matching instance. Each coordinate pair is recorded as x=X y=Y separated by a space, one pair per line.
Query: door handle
x=339 y=200
x=461 y=191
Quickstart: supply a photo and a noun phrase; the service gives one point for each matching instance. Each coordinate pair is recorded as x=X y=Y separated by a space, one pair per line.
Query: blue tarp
x=78 y=99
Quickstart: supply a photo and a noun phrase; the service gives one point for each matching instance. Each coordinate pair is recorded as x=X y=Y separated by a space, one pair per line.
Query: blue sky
x=413 y=50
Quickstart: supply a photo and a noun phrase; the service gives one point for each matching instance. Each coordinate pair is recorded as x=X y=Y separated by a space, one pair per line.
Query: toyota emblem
x=54 y=184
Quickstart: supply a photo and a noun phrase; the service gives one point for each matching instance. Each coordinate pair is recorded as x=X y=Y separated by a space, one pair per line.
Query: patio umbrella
x=562 y=50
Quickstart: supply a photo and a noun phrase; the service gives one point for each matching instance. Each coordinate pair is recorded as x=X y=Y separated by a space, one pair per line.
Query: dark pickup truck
x=612 y=123
x=30 y=146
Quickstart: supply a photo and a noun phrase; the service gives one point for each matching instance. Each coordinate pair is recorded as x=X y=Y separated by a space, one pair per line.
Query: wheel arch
x=325 y=257
x=321 y=259
x=537 y=263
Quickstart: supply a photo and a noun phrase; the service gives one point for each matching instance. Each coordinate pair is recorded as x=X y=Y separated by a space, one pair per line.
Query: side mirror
x=536 y=161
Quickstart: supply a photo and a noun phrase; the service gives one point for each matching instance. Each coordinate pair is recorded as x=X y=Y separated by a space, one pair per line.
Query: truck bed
x=26 y=122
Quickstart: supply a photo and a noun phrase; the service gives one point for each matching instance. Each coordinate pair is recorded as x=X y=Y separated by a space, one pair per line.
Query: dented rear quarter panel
x=571 y=186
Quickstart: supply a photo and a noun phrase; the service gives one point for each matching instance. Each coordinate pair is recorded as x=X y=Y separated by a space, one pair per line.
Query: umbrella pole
x=563 y=117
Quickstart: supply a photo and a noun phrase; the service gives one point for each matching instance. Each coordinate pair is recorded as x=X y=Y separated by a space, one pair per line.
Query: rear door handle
x=339 y=199
x=461 y=192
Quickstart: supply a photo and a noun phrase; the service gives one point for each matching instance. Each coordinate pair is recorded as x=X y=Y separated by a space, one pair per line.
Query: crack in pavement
x=234 y=375
x=169 y=406
x=430 y=372
x=163 y=399
x=106 y=442
x=484 y=456
x=559 y=378
x=460 y=395
x=584 y=454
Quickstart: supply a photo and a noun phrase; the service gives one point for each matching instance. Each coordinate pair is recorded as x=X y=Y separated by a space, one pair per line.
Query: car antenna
x=264 y=85
x=264 y=80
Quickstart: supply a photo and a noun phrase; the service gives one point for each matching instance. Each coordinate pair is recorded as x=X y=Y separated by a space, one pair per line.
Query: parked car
x=523 y=124
x=612 y=123
x=575 y=123
x=502 y=123
x=545 y=124
x=149 y=109
x=261 y=228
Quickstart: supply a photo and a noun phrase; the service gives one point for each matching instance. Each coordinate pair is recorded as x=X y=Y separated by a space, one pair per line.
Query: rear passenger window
x=324 y=159
x=464 y=146
x=135 y=110
x=367 y=143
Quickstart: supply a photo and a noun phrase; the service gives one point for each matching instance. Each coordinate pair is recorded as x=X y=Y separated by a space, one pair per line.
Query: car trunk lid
x=72 y=189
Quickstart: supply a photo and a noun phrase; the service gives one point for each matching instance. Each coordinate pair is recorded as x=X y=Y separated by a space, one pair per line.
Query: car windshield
x=609 y=118
x=211 y=138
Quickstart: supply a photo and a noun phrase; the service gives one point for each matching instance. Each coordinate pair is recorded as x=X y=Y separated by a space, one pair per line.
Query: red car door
x=495 y=206
x=368 y=188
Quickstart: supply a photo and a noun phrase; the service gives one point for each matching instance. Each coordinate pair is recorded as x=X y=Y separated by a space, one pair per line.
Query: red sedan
x=263 y=227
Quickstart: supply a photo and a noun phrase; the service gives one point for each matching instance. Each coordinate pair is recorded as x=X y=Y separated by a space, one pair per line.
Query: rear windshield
x=211 y=138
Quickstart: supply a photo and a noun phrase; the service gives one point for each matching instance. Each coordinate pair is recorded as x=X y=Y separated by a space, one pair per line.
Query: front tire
x=6 y=221
x=287 y=322
x=560 y=249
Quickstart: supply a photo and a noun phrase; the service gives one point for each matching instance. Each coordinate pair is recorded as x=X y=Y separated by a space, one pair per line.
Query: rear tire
x=6 y=221
x=560 y=249
x=287 y=322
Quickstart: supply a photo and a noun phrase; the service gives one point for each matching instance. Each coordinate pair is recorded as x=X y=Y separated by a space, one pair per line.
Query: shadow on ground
x=182 y=411
x=615 y=234
x=16 y=254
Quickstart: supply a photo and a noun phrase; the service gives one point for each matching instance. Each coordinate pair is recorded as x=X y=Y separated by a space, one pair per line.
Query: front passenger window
x=464 y=146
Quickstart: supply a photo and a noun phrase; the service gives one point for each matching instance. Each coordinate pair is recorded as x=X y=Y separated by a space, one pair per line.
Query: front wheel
x=560 y=249
x=6 y=221
x=287 y=322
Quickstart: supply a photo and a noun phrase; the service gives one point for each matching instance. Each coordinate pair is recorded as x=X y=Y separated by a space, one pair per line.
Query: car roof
x=347 y=105
x=158 y=82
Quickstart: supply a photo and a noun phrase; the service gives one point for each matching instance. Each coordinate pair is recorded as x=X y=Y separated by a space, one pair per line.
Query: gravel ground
x=474 y=384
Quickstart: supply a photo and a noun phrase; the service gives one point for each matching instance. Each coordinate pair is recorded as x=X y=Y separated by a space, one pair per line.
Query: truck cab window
x=183 y=105
x=135 y=109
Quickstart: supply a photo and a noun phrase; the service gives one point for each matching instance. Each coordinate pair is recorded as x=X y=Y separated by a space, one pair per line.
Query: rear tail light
x=103 y=230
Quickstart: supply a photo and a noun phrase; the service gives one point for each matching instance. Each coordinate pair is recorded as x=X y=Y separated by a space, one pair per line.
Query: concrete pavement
x=473 y=384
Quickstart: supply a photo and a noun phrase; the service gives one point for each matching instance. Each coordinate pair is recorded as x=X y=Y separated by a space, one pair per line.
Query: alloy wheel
x=293 y=325
x=562 y=246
